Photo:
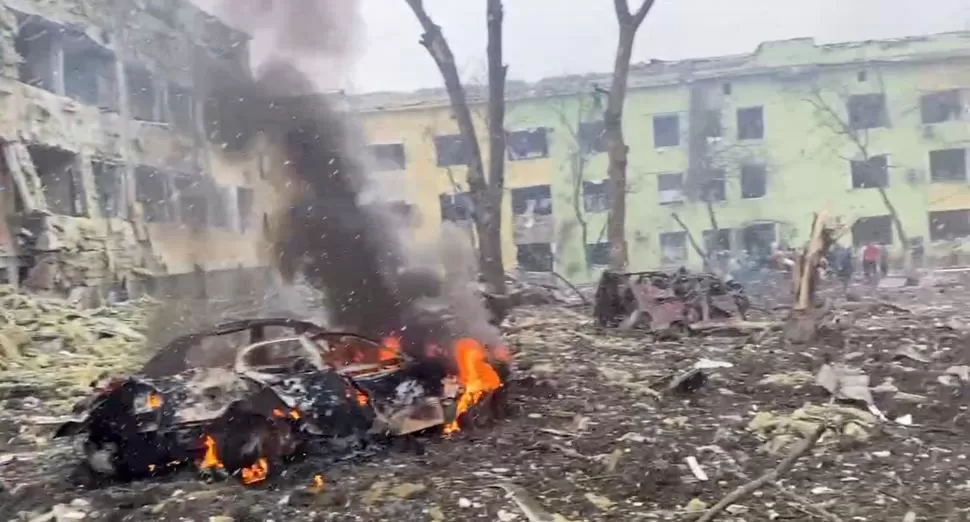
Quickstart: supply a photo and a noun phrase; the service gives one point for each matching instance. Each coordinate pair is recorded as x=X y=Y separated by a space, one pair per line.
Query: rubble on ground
x=596 y=434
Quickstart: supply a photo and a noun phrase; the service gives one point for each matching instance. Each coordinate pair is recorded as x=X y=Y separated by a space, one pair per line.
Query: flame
x=293 y=414
x=475 y=375
x=155 y=401
x=318 y=483
x=390 y=349
x=210 y=460
x=256 y=473
x=362 y=398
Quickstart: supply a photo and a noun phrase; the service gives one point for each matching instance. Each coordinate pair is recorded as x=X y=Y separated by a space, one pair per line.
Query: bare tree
x=578 y=159
x=486 y=193
x=628 y=23
x=831 y=117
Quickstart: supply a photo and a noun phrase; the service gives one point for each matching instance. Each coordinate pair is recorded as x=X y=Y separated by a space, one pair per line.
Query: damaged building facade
x=107 y=177
x=742 y=149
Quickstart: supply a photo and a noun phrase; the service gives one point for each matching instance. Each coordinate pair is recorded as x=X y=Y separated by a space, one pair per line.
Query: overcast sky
x=554 y=37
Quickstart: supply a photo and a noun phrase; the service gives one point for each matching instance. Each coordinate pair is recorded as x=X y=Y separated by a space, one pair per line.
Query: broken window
x=153 y=192
x=940 y=106
x=245 y=199
x=873 y=229
x=591 y=137
x=89 y=72
x=387 y=156
x=673 y=248
x=867 y=111
x=60 y=180
x=948 y=165
x=142 y=97
x=670 y=188
x=754 y=181
x=36 y=42
x=181 y=105
x=949 y=224
x=711 y=124
x=717 y=242
x=109 y=183
x=596 y=196
x=193 y=200
x=714 y=188
x=219 y=207
x=456 y=207
x=527 y=144
x=534 y=257
x=666 y=131
x=532 y=200
x=870 y=173
x=598 y=254
x=758 y=239
x=450 y=150
x=751 y=123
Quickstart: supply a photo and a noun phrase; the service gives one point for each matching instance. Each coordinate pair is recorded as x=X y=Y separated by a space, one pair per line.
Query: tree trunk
x=490 y=250
x=618 y=150
x=898 y=223
x=488 y=202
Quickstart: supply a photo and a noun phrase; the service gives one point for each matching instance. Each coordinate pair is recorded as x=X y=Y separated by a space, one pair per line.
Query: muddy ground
x=590 y=439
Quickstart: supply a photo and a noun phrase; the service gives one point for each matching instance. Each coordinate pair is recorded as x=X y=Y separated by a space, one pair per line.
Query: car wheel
x=251 y=445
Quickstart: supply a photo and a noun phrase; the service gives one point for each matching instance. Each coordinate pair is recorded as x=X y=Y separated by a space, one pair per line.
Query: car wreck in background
x=290 y=383
x=660 y=300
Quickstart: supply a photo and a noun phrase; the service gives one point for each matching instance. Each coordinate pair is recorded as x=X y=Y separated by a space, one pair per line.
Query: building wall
x=806 y=149
x=50 y=102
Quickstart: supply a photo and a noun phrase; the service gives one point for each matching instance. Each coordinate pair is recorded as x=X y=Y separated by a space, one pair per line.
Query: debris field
x=600 y=425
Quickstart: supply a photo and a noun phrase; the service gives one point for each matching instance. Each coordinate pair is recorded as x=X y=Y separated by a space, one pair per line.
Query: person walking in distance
x=883 y=260
x=870 y=261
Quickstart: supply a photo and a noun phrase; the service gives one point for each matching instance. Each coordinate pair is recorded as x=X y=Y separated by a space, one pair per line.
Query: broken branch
x=783 y=468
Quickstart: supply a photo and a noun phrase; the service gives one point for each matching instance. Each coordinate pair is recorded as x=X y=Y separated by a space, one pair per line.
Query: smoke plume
x=352 y=252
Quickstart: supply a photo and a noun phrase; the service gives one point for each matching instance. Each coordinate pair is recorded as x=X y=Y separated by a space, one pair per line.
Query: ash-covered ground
x=593 y=435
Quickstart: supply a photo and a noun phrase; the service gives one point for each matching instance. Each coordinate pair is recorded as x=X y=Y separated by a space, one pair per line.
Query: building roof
x=794 y=57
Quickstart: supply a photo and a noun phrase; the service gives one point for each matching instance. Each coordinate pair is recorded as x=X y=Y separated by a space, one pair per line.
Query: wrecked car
x=278 y=395
x=660 y=300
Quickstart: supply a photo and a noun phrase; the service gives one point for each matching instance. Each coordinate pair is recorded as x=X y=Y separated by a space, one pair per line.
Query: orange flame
x=390 y=349
x=210 y=460
x=155 y=401
x=318 y=483
x=255 y=473
x=475 y=375
x=362 y=398
x=293 y=414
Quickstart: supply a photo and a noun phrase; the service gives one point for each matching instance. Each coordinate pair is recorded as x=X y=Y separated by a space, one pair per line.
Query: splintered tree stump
x=801 y=327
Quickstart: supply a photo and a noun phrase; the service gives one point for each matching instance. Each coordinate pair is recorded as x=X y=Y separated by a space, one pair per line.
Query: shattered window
x=60 y=180
x=878 y=229
x=534 y=257
x=867 y=111
x=532 y=200
x=871 y=173
x=142 y=98
x=387 y=156
x=181 y=105
x=716 y=242
x=949 y=224
x=758 y=239
x=527 y=144
x=596 y=196
x=711 y=124
x=598 y=254
x=193 y=203
x=941 y=106
x=220 y=201
x=152 y=191
x=245 y=199
x=456 y=207
x=670 y=188
x=754 y=181
x=35 y=43
x=108 y=181
x=948 y=165
x=591 y=137
x=666 y=131
x=89 y=71
x=450 y=150
x=673 y=248
x=751 y=123
x=714 y=189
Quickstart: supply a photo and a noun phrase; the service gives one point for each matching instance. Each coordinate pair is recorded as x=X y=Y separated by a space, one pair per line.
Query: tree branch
x=641 y=13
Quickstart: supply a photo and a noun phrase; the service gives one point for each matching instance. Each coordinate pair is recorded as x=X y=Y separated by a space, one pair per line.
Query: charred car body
x=278 y=393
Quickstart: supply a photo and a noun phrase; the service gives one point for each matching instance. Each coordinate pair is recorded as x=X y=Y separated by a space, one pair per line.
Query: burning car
x=278 y=395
